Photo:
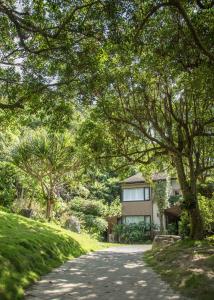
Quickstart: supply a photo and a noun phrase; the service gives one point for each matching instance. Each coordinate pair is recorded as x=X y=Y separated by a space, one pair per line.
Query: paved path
x=116 y=273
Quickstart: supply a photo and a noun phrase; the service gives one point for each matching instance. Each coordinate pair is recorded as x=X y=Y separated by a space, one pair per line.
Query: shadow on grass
x=29 y=249
x=187 y=267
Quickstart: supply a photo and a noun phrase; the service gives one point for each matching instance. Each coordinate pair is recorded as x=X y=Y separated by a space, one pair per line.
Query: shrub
x=115 y=208
x=206 y=206
x=95 y=226
x=133 y=233
x=174 y=199
x=88 y=207
x=172 y=228
x=91 y=214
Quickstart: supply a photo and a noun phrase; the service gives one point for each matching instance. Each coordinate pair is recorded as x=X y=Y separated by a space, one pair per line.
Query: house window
x=136 y=219
x=146 y=193
x=137 y=194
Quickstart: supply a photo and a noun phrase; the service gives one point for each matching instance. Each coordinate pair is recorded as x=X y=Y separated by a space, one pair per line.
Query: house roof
x=138 y=178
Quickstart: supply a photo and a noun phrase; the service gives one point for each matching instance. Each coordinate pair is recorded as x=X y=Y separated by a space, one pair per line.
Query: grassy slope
x=187 y=266
x=29 y=249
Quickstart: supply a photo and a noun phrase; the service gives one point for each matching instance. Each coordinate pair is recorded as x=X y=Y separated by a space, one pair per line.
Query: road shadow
x=113 y=274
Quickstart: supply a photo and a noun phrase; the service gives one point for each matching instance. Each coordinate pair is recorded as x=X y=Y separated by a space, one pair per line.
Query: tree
x=153 y=120
x=153 y=93
x=44 y=46
x=46 y=157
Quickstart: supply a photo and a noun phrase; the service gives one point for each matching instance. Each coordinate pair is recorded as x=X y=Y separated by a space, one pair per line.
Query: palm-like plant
x=46 y=157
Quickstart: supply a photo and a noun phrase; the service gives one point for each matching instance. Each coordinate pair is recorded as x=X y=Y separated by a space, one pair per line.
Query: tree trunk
x=196 y=221
x=161 y=223
x=49 y=209
x=197 y=231
x=189 y=192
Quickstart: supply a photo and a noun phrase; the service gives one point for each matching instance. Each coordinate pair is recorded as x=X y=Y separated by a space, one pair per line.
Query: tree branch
x=177 y=4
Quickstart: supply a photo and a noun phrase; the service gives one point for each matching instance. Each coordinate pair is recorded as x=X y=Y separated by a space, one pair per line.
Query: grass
x=188 y=266
x=29 y=249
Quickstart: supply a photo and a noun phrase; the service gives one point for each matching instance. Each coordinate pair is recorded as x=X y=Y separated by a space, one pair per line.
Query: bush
x=174 y=199
x=172 y=228
x=91 y=214
x=95 y=226
x=115 y=208
x=88 y=207
x=133 y=233
x=206 y=206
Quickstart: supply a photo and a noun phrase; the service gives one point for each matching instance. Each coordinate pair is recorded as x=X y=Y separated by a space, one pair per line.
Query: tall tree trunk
x=161 y=223
x=50 y=202
x=188 y=188
x=196 y=221
x=197 y=228
x=49 y=209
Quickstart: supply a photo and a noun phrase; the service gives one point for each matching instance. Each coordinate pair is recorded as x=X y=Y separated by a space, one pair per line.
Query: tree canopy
x=130 y=80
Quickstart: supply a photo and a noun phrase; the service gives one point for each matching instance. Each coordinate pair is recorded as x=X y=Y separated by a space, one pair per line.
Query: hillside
x=188 y=266
x=29 y=249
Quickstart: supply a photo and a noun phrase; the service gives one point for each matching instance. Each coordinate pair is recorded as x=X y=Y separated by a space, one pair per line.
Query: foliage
x=115 y=208
x=154 y=95
x=172 y=229
x=42 y=44
x=140 y=72
x=88 y=206
x=179 y=263
x=29 y=249
x=8 y=184
x=161 y=198
x=94 y=225
x=133 y=233
x=207 y=209
x=91 y=214
x=46 y=157
x=102 y=185
x=206 y=189
x=175 y=199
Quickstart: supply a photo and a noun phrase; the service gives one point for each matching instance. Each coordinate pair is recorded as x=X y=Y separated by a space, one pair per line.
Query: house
x=137 y=198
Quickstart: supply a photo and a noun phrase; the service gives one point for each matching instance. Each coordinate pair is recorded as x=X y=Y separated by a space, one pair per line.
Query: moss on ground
x=188 y=266
x=29 y=249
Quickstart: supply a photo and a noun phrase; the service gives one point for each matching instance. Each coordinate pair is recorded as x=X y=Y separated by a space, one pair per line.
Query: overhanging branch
x=177 y=4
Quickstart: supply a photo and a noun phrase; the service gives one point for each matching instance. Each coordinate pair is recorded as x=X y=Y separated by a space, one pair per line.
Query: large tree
x=154 y=92
x=44 y=46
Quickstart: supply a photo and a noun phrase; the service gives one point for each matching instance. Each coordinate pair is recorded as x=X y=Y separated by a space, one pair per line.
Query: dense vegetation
x=134 y=233
x=90 y=92
x=29 y=249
